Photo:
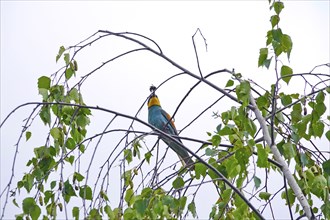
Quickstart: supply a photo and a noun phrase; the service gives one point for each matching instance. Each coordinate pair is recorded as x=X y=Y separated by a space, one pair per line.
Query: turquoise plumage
x=161 y=120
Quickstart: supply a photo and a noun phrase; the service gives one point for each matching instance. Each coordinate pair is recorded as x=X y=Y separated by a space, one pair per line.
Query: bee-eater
x=163 y=121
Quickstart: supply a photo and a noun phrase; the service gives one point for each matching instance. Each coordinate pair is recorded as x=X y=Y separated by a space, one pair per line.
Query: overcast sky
x=32 y=32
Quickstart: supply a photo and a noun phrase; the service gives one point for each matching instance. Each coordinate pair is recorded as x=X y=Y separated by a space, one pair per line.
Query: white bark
x=278 y=157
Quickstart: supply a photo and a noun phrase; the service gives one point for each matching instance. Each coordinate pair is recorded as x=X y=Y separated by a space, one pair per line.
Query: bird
x=160 y=119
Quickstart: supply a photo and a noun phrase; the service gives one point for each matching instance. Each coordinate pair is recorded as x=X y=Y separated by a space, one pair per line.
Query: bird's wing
x=169 y=122
x=171 y=129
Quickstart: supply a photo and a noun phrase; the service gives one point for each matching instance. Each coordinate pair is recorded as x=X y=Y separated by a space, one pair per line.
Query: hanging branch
x=159 y=132
x=277 y=155
x=150 y=177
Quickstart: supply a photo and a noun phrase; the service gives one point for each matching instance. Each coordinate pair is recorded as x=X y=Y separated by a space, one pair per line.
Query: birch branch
x=277 y=155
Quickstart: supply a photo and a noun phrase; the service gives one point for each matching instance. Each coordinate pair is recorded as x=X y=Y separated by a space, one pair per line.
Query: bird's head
x=153 y=99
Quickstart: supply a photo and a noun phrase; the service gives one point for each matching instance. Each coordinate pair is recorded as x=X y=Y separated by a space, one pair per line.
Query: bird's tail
x=181 y=152
x=188 y=162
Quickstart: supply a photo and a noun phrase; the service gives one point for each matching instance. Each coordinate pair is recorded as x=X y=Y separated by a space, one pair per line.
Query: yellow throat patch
x=153 y=101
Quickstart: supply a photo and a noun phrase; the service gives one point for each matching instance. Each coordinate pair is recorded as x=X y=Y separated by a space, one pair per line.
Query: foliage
x=55 y=182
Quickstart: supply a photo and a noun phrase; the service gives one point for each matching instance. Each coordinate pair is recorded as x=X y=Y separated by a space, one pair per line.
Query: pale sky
x=32 y=32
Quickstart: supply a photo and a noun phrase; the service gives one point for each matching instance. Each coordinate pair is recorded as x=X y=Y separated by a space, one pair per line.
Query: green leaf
x=129 y=197
x=230 y=83
x=82 y=121
x=68 y=191
x=85 y=192
x=44 y=93
x=250 y=127
x=75 y=213
x=264 y=195
x=35 y=213
x=85 y=111
x=19 y=216
x=45 y=114
x=286 y=73
x=304 y=159
x=109 y=212
x=192 y=209
x=226 y=131
x=74 y=95
x=15 y=203
x=216 y=139
x=200 y=169
x=243 y=93
x=318 y=128
x=319 y=184
x=44 y=82
x=82 y=148
x=287 y=44
x=178 y=183
x=218 y=128
x=232 y=166
x=141 y=205
x=257 y=182
x=327 y=134
x=28 y=182
x=27 y=135
x=55 y=133
x=53 y=184
x=136 y=148
x=326 y=167
x=267 y=62
x=60 y=52
x=212 y=214
x=296 y=113
x=68 y=73
x=227 y=194
x=57 y=93
x=262 y=102
x=286 y=100
x=67 y=58
x=70 y=143
x=46 y=163
x=78 y=176
x=104 y=195
x=70 y=159
x=28 y=204
x=274 y=20
x=320 y=108
x=94 y=214
x=289 y=196
x=327 y=89
x=31 y=208
x=147 y=156
x=130 y=214
x=269 y=37
x=263 y=54
x=278 y=6
x=262 y=160
x=326 y=209
x=210 y=152
x=278 y=48
x=48 y=195
x=320 y=97
x=277 y=36
x=128 y=155
x=180 y=204
x=242 y=156
x=289 y=150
